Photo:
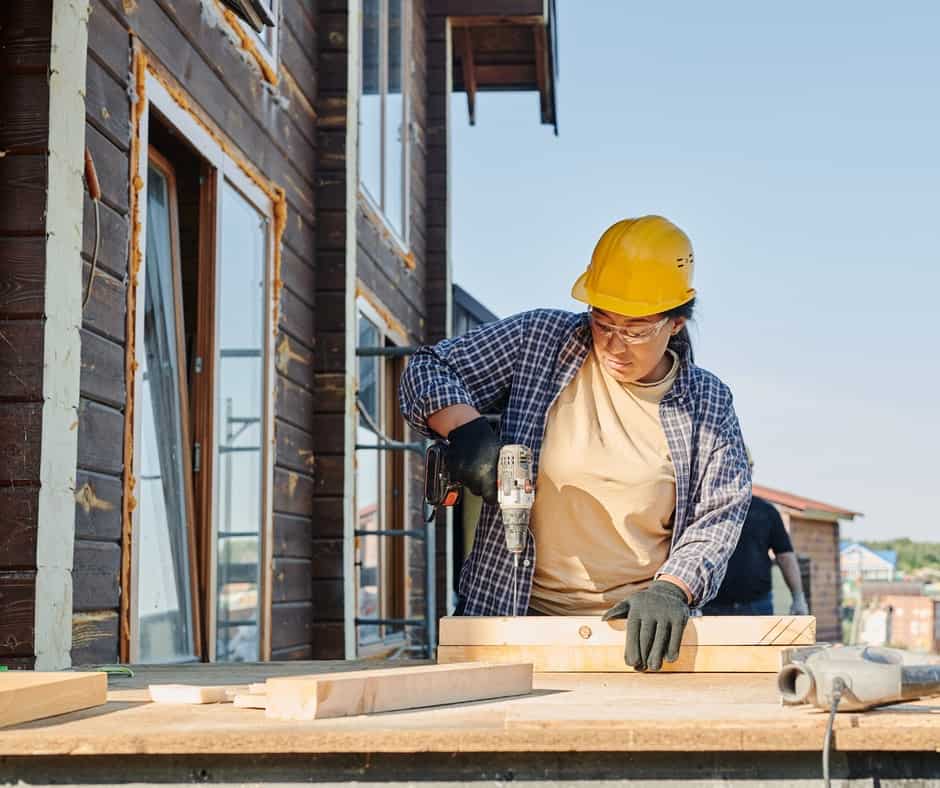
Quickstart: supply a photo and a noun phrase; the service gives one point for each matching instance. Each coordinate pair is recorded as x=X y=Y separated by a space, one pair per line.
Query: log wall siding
x=276 y=130
x=324 y=614
x=25 y=38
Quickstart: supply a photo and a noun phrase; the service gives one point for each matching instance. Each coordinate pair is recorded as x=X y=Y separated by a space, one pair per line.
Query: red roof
x=802 y=504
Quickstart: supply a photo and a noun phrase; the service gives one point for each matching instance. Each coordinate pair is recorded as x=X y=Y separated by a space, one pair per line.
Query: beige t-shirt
x=605 y=493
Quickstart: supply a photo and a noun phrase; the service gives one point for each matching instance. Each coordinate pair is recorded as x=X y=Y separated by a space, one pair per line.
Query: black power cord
x=838 y=687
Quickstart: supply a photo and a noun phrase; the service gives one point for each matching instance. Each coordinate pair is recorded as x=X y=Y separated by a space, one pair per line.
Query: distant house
x=911 y=622
x=814 y=530
x=862 y=564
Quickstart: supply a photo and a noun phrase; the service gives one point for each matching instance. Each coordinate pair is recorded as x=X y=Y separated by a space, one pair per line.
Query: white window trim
x=157 y=96
x=378 y=647
x=401 y=240
x=271 y=55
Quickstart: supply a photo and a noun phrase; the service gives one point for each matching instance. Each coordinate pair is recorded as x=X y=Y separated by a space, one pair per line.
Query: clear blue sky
x=799 y=146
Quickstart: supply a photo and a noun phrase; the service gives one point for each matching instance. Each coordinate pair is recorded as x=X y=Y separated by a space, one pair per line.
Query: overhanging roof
x=806 y=506
x=505 y=45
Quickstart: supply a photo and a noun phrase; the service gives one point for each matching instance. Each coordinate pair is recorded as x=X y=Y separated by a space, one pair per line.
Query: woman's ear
x=678 y=325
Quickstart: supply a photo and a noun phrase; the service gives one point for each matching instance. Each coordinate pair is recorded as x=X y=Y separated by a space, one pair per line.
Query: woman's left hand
x=656 y=619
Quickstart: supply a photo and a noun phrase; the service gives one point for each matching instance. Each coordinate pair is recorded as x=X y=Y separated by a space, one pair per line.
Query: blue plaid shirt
x=518 y=366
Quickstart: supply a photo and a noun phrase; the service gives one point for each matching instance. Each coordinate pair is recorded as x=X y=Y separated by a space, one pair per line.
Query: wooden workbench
x=602 y=721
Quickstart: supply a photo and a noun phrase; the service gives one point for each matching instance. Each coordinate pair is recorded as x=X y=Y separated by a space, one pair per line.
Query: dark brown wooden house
x=194 y=342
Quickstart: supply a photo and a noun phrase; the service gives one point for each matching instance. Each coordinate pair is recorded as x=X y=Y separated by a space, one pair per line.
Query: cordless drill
x=515 y=494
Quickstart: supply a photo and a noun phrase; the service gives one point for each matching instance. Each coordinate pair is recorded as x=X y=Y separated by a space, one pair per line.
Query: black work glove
x=473 y=457
x=656 y=619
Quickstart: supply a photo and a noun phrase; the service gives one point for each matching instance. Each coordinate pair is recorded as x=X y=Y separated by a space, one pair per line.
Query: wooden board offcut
x=609 y=659
x=392 y=689
x=590 y=630
x=27 y=695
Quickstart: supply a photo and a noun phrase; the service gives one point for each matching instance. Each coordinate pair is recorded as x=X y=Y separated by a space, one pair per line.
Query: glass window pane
x=239 y=409
x=369 y=368
x=394 y=124
x=164 y=603
x=370 y=103
x=368 y=479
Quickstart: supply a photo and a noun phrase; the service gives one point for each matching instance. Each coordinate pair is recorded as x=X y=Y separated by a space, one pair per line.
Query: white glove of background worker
x=798 y=606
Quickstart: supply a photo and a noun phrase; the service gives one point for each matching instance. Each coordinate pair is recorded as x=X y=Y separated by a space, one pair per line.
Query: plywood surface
x=592 y=712
x=28 y=695
x=610 y=659
x=590 y=630
x=371 y=691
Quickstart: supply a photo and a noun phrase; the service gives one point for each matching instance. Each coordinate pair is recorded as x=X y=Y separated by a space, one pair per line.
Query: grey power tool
x=855 y=678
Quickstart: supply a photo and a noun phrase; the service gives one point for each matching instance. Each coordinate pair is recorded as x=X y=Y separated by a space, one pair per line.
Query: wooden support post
x=464 y=41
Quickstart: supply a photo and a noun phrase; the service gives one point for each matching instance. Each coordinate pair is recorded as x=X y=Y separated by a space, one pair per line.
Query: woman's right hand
x=473 y=458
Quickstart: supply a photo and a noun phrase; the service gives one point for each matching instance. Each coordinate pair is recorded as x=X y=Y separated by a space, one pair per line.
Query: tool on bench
x=515 y=495
x=853 y=678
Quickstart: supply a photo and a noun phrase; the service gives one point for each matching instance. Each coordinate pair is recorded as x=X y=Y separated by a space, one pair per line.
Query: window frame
x=375 y=207
x=150 y=156
x=271 y=54
x=220 y=167
x=393 y=549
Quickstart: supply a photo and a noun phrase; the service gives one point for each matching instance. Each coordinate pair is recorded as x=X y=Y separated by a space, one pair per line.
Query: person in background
x=746 y=589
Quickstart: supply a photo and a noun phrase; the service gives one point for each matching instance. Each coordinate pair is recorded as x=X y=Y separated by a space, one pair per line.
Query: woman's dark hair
x=681 y=343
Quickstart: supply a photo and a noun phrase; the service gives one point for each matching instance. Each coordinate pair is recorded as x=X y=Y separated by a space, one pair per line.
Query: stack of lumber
x=585 y=644
x=322 y=696
x=26 y=695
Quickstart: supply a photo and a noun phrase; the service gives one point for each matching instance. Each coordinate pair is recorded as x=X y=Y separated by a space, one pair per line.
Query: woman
x=642 y=478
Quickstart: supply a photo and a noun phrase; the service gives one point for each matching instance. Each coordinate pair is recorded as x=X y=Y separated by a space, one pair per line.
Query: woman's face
x=633 y=349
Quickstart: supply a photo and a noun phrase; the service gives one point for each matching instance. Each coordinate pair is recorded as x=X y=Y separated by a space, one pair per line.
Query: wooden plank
x=591 y=631
x=95 y=638
x=95 y=576
x=112 y=168
x=188 y=694
x=100 y=438
x=98 y=507
x=294 y=448
x=293 y=536
x=21 y=343
x=102 y=370
x=23 y=195
x=22 y=276
x=109 y=41
x=291 y=624
x=25 y=100
x=20 y=507
x=25 y=36
x=107 y=305
x=293 y=493
x=392 y=689
x=25 y=695
x=292 y=580
x=20 y=441
x=294 y=404
x=609 y=659
x=113 y=241
x=250 y=701
x=17 y=613
x=107 y=105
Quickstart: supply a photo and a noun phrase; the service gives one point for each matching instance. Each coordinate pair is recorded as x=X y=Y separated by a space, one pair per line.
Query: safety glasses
x=629 y=335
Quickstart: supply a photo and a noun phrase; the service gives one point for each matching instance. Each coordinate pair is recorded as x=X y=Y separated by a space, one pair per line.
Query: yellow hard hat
x=640 y=267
